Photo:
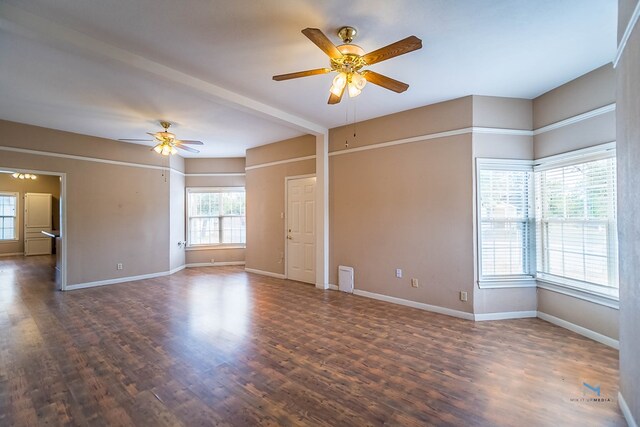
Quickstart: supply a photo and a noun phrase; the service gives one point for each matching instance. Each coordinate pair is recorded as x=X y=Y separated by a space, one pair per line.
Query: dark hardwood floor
x=218 y=346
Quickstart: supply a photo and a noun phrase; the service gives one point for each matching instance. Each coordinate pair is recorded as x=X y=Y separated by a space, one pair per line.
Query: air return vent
x=345 y=278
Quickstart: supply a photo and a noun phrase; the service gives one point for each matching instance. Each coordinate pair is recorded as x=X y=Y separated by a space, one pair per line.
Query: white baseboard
x=175 y=270
x=334 y=287
x=505 y=315
x=121 y=280
x=265 y=273
x=414 y=304
x=580 y=330
x=12 y=254
x=626 y=411
x=213 y=264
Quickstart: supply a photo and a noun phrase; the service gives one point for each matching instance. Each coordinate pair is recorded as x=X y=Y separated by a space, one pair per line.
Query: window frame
x=16 y=233
x=212 y=246
x=510 y=280
x=600 y=294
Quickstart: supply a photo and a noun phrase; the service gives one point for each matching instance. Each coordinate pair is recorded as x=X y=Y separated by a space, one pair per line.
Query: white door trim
x=286 y=213
x=63 y=214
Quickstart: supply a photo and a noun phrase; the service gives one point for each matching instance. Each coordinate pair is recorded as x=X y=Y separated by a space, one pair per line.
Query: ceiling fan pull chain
x=346 y=123
x=355 y=115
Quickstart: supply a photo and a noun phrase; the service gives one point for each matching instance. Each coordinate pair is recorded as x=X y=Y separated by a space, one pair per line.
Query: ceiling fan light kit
x=166 y=142
x=23 y=175
x=349 y=59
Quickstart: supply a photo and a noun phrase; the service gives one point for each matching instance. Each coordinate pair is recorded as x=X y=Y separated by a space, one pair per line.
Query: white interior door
x=301 y=229
x=37 y=218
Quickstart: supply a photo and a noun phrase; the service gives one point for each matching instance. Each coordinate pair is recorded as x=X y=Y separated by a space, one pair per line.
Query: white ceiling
x=120 y=79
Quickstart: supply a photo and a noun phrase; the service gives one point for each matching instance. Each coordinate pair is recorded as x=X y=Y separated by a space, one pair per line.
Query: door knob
x=289 y=237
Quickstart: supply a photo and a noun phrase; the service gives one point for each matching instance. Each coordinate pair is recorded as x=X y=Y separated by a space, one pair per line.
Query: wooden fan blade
x=189 y=149
x=384 y=81
x=189 y=141
x=398 y=48
x=323 y=42
x=335 y=99
x=301 y=74
x=135 y=140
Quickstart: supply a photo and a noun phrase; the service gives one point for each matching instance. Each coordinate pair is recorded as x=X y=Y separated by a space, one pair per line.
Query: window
x=8 y=216
x=216 y=216
x=504 y=216
x=576 y=222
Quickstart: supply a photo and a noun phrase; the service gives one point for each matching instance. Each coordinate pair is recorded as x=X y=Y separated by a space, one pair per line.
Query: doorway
x=300 y=238
x=35 y=216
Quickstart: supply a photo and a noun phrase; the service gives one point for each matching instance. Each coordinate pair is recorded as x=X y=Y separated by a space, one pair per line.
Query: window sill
x=9 y=241
x=214 y=248
x=611 y=301
x=512 y=282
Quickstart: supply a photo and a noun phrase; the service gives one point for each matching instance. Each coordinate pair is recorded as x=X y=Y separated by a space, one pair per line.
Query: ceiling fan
x=349 y=59
x=166 y=142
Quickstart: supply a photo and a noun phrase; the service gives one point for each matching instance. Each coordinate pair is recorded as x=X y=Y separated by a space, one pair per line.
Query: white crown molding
x=502 y=131
x=279 y=162
x=603 y=339
x=22 y=22
x=85 y=158
x=216 y=174
x=481 y=317
x=481 y=130
x=576 y=119
x=627 y=34
x=123 y=279
x=414 y=304
x=403 y=141
x=265 y=273
x=624 y=408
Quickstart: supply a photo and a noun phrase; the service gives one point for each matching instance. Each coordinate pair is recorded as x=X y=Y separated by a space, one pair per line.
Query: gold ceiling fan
x=166 y=142
x=349 y=59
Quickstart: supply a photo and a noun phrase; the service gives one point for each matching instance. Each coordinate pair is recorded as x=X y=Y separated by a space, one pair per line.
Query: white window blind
x=216 y=216
x=576 y=223
x=505 y=221
x=8 y=215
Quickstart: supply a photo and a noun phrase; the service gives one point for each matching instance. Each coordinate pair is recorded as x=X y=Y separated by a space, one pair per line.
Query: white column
x=322 y=211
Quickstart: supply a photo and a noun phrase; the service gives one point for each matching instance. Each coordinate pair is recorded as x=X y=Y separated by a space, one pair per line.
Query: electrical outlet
x=119 y=266
x=414 y=283
x=399 y=273
x=463 y=295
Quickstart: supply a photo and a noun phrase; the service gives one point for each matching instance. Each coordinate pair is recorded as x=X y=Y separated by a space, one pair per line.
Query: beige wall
x=43 y=184
x=441 y=117
x=503 y=113
x=628 y=156
x=265 y=199
x=115 y=213
x=176 y=212
x=215 y=172
x=586 y=93
x=591 y=91
x=500 y=113
x=409 y=207
x=596 y=317
x=301 y=146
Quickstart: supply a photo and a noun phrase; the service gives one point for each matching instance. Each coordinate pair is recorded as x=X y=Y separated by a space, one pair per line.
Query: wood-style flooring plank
x=221 y=347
